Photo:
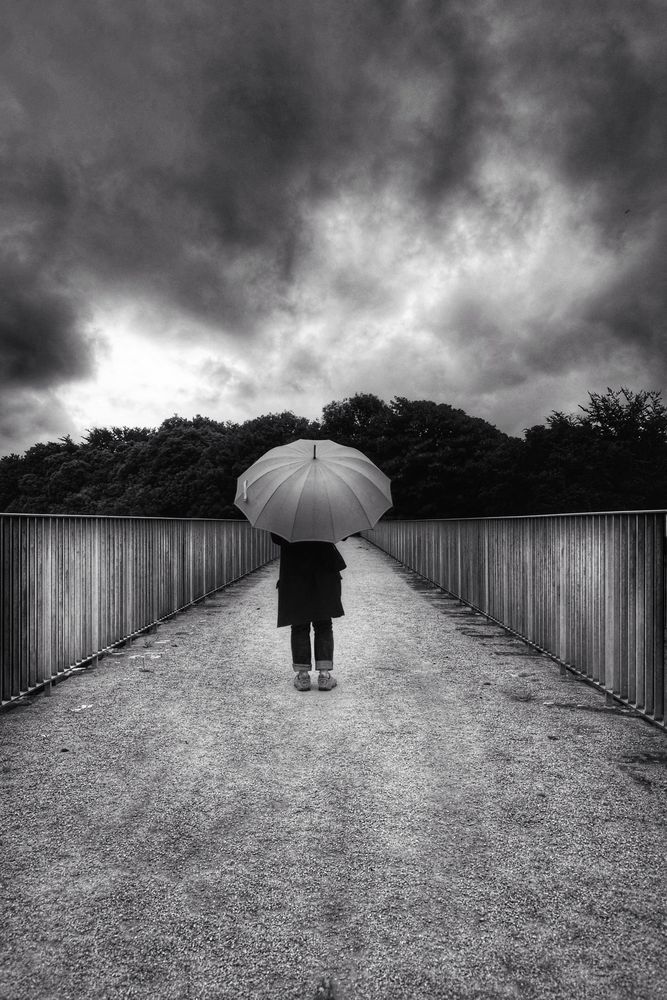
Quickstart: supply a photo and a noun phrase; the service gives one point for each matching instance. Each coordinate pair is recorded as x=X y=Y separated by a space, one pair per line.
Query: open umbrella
x=313 y=491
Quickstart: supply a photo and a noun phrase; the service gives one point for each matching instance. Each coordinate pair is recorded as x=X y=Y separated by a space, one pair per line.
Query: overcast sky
x=235 y=207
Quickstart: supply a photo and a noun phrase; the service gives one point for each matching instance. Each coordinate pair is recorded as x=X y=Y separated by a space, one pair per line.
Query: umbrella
x=313 y=491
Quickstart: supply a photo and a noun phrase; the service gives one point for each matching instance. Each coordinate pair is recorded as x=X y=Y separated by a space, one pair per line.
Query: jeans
x=324 y=645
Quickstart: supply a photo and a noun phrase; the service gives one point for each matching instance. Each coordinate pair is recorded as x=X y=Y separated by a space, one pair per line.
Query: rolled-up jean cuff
x=324 y=665
x=301 y=666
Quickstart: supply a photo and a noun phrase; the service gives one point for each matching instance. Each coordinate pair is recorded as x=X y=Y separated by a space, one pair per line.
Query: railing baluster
x=74 y=586
x=589 y=589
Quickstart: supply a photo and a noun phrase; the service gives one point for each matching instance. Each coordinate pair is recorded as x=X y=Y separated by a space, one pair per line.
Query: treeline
x=611 y=455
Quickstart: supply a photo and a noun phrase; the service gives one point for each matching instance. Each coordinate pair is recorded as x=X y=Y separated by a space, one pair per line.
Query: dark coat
x=309 y=583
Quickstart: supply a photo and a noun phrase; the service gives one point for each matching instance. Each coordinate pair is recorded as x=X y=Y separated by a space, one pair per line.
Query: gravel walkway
x=456 y=820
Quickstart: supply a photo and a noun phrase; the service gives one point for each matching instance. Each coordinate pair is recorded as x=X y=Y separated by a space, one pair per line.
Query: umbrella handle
x=245 y=490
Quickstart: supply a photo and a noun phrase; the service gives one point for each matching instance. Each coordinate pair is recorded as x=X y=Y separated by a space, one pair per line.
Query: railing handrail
x=525 y=517
x=119 y=517
x=471 y=517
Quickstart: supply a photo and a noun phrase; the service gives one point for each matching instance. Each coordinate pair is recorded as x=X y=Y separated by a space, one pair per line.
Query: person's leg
x=301 y=658
x=324 y=645
x=324 y=649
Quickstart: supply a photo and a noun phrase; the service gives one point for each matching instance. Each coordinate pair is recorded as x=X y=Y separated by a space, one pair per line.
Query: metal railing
x=588 y=589
x=73 y=587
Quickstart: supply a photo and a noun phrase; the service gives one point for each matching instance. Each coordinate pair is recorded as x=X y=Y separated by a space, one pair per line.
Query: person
x=309 y=594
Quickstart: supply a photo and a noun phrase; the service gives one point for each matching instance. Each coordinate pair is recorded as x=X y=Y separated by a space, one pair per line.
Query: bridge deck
x=456 y=820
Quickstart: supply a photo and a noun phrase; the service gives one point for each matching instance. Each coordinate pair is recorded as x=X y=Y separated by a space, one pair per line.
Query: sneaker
x=325 y=682
x=302 y=681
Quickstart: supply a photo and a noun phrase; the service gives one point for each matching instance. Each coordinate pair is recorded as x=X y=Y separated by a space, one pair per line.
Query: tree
x=361 y=421
x=612 y=455
x=636 y=418
x=437 y=457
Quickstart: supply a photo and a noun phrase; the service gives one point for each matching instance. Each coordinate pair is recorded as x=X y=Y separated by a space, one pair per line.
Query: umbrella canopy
x=313 y=491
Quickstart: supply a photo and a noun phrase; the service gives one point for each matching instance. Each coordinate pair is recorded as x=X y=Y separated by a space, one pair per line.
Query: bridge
x=476 y=811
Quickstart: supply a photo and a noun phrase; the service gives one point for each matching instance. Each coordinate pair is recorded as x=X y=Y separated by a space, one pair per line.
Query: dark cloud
x=40 y=344
x=186 y=144
x=598 y=89
x=596 y=84
x=632 y=310
x=29 y=416
x=185 y=153
x=272 y=99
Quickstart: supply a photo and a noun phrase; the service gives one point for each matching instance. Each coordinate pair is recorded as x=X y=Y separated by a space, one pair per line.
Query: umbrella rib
x=297 y=506
x=330 y=512
x=276 y=468
x=354 y=495
x=282 y=482
x=360 y=471
x=370 y=483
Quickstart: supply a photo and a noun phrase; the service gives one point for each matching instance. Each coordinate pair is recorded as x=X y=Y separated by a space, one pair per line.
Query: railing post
x=47 y=605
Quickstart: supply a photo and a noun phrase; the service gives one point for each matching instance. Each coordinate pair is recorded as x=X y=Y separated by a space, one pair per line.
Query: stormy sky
x=234 y=208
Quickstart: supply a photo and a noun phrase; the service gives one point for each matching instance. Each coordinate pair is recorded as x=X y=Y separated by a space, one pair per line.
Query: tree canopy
x=610 y=455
